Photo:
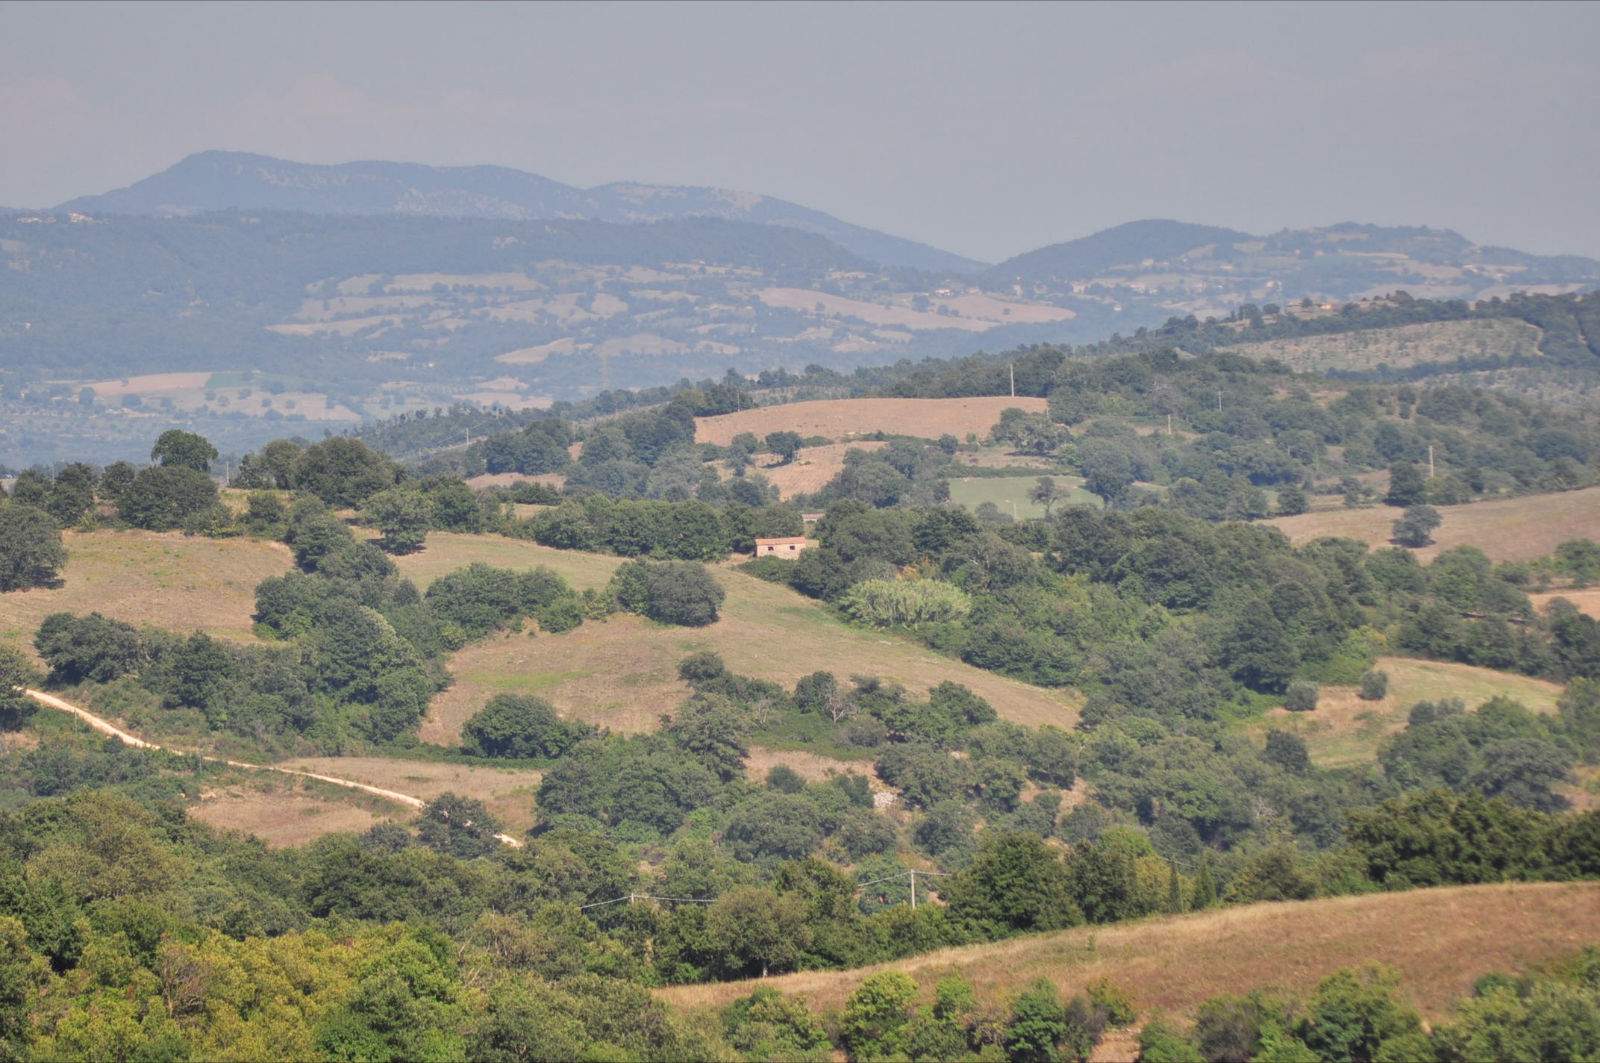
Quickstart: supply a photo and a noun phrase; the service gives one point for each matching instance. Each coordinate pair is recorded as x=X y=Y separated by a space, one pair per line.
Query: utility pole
x=1430 y=461
x=913 y=889
x=1013 y=367
x=1219 y=402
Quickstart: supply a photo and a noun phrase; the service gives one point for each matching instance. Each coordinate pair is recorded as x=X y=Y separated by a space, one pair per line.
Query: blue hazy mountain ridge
x=1121 y=245
x=1335 y=260
x=221 y=180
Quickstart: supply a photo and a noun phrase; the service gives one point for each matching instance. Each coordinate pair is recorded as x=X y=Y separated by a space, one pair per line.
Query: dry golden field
x=1587 y=600
x=622 y=673
x=1344 y=731
x=813 y=467
x=841 y=419
x=507 y=792
x=1507 y=529
x=1440 y=940
x=166 y=579
x=447 y=551
x=282 y=812
x=973 y=312
x=811 y=767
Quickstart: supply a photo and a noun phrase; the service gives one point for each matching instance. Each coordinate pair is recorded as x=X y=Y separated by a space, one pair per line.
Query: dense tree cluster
x=688 y=530
x=129 y=931
x=31 y=553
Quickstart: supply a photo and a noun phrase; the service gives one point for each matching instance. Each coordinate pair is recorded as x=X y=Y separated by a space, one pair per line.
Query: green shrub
x=1302 y=696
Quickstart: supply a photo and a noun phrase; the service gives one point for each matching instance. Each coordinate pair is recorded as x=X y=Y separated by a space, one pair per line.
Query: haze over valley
x=804 y=532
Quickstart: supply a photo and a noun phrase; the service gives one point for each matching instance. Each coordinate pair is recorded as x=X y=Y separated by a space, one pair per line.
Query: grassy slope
x=1507 y=529
x=1345 y=731
x=164 y=579
x=622 y=673
x=1010 y=494
x=1439 y=939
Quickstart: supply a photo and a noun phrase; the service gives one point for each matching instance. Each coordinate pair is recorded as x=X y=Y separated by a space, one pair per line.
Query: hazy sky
x=986 y=129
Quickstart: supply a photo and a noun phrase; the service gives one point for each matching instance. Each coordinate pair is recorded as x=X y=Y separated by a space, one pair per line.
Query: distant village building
x=789 y=546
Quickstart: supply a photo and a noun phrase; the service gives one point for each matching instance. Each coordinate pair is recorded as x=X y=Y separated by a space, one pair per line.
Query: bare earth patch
x=622 y=673
x=841 y=419
x=166 y=579
x=1439 y=939
x=1507 y=529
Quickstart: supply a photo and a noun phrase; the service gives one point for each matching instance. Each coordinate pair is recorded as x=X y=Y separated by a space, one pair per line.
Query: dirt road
x=106 y=727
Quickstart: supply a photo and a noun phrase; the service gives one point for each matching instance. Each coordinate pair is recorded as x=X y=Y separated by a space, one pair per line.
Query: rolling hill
x=1439 y=939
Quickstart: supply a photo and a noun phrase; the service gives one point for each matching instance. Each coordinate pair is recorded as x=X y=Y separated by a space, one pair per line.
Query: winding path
x=106 y=727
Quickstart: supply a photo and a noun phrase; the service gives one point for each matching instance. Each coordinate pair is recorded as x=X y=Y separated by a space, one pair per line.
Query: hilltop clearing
x=1439 y=939
x=1507 y=529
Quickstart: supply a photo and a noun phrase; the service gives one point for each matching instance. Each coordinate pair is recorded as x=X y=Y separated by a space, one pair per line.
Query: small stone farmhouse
x=789 y=546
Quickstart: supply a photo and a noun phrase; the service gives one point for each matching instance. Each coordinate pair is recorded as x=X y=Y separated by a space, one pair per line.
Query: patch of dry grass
x=811 y=767
x=1439 y=939
x=447 y=551
x=1507 y=529
x=165 y=579
x=1587 y=600
x=622 y=673
x=1344 y=731
x=813 y=467
x=507 y=792
x=282 y=817
x=841 y=419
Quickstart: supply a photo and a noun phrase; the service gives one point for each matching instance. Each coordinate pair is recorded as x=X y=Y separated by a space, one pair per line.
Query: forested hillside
x=1139 y=701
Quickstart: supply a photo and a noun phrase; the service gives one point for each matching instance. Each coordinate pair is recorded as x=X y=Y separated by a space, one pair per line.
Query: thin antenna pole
x=1430 y=461
x=913 y=889
x=1013 y=367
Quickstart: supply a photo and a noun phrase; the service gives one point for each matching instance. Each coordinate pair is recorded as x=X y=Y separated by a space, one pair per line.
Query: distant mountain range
x=358 y=290
x=227 y=180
